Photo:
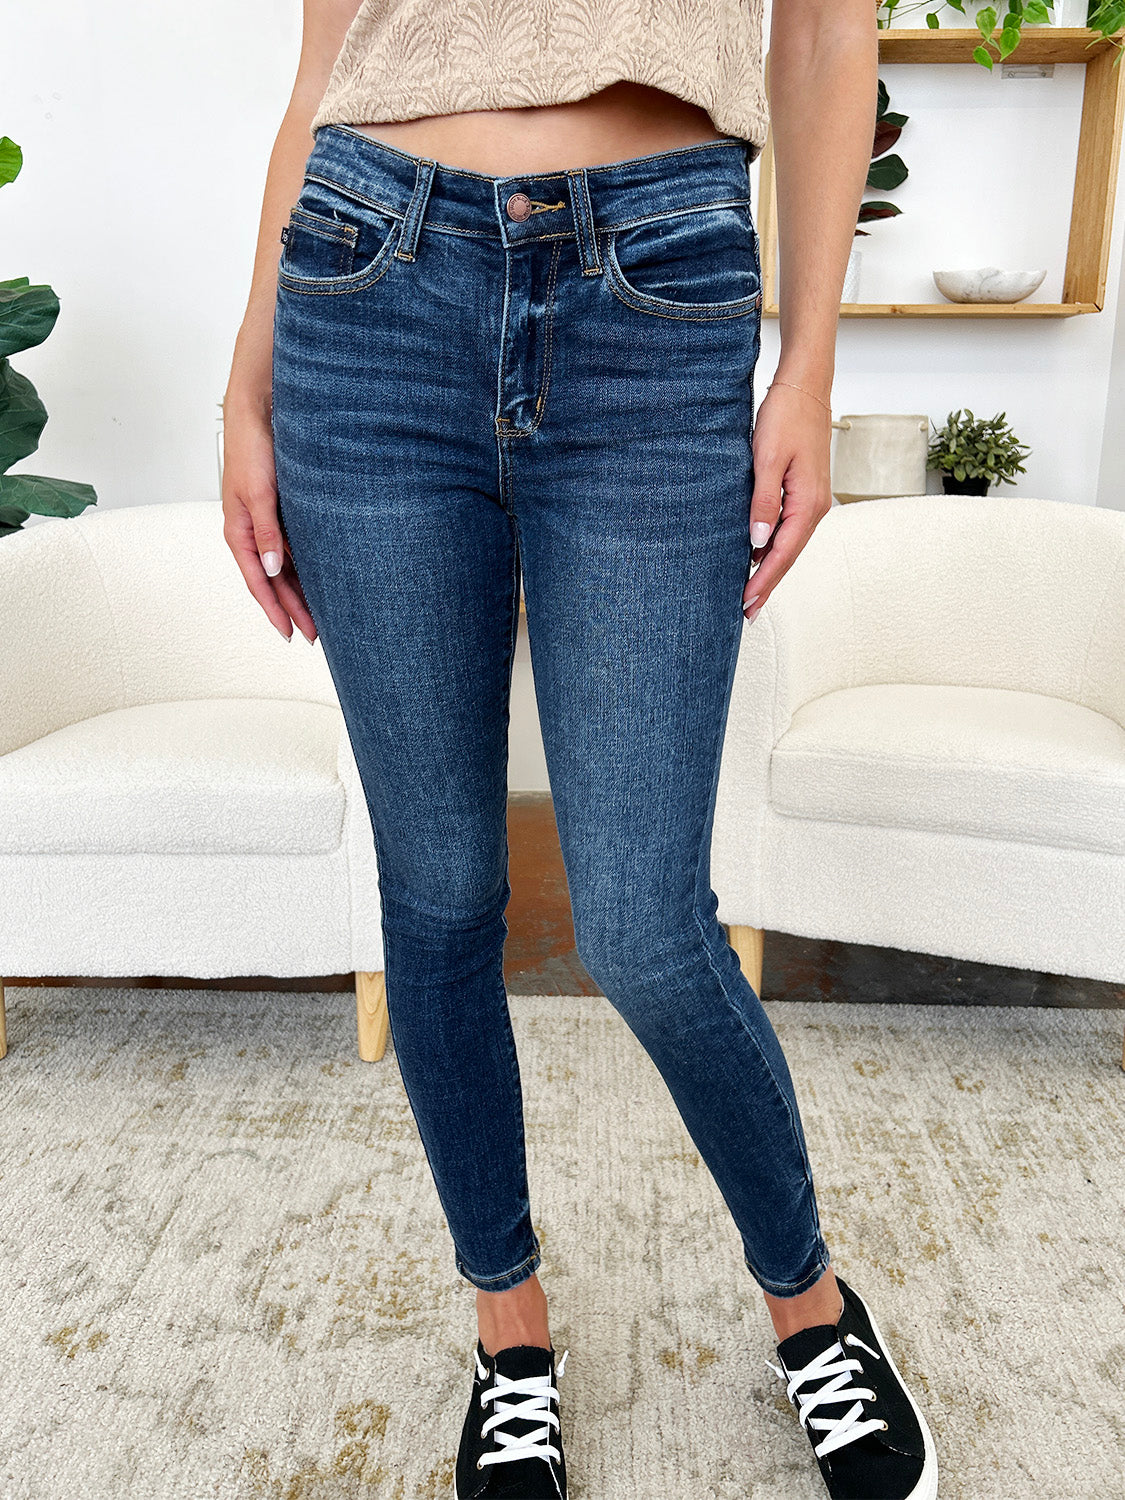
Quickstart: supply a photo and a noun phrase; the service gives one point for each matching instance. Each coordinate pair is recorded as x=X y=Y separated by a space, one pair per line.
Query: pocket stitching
x=328 y=286
x=351 y=281
x=341 y=236
x=665 y=307
x=329 y=229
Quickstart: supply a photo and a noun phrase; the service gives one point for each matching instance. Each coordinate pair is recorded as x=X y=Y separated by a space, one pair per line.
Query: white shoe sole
x=926 y=1488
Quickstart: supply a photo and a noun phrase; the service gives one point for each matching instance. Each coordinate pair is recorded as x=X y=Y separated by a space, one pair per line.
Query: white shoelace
x=843 y=1429
x=537 y=1391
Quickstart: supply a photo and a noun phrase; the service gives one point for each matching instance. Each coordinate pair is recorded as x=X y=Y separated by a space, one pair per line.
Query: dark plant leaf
x=27 y=315
x=46 y=497
x=888 y=173
x=12 y=518
x=885 y=137
x=876 y=209
x=22 y=416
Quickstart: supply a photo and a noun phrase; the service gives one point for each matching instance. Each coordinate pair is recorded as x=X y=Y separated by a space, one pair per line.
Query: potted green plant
x=1106 y=17
x=27 y=315
x=885 y=173
x=971 y=455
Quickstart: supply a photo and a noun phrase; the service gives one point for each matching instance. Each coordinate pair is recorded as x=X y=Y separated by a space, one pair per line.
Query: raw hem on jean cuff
x=791 y=1289
x=507 y=1279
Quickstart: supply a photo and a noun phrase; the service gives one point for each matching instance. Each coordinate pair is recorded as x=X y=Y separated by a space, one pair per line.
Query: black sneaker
x=878 y=1447
x=511 y=1443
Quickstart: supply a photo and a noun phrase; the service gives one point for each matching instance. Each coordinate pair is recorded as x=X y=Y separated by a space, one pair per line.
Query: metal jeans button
x=519 y=207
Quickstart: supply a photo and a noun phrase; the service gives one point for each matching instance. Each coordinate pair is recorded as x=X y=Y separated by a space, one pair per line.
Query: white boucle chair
x=926 y=743
x=178 y=793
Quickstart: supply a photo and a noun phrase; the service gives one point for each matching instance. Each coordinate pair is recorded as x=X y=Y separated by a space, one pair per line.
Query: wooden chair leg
x=3 y=1024
x=371 y=1011
x=747 y=942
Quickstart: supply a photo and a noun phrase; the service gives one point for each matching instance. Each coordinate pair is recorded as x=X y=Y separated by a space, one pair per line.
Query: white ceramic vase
x=850 y=292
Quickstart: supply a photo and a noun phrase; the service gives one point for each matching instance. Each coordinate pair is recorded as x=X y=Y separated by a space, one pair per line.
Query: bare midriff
x=617 y=123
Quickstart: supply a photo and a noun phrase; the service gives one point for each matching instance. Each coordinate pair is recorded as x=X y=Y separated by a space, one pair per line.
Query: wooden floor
x=540 y=957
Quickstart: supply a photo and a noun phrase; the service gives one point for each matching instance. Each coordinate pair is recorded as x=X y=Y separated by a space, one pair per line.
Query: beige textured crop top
x=402 y=59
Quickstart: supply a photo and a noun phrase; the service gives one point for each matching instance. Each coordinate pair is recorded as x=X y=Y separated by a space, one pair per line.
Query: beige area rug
x=226 y=1272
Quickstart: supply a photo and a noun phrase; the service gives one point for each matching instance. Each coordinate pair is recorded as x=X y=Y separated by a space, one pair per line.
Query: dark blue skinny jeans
x=547 y=376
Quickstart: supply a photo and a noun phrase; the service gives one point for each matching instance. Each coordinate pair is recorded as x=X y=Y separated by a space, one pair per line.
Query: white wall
x=1111 y=491
x=147 y=129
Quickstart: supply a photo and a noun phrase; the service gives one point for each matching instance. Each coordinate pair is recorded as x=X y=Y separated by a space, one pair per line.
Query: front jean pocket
x=699 y=262
x=334 y=241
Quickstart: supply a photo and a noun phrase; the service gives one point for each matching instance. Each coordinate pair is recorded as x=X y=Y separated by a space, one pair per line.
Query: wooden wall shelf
x=1099 y=145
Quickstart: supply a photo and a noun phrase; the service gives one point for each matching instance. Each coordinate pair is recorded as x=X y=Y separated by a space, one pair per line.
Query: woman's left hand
x=791 y=441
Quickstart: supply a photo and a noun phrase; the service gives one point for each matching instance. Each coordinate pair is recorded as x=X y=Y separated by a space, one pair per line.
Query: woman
x=513 y=332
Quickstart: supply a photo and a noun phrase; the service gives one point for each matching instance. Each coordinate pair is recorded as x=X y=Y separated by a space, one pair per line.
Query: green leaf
x=46 y=497
x=22 y=416
x=986 y=21
x=1036 y=11
x=887 y=173
x=931 y=20
x=1009 y=41
x=1108 y=17
x=11 y=160
x=983 y=56
x=27 y=315
x=12 y=518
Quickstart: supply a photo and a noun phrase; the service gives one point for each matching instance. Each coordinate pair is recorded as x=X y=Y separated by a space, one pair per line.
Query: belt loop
x=412 y=224
x=584 y=221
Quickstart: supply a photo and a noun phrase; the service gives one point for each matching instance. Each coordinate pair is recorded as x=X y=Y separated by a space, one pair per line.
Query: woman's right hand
x=251 y=527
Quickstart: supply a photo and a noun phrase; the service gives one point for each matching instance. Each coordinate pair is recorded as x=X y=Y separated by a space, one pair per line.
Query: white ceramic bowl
x=987 y=284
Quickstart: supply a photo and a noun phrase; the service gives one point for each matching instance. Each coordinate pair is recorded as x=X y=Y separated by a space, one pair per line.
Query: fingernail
x=753 y=614
x=271 y=561
x=746 y=603
x=282 y=634
x=760 y=533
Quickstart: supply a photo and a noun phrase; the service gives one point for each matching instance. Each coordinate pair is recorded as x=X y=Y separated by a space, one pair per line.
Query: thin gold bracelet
x=801 y=388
